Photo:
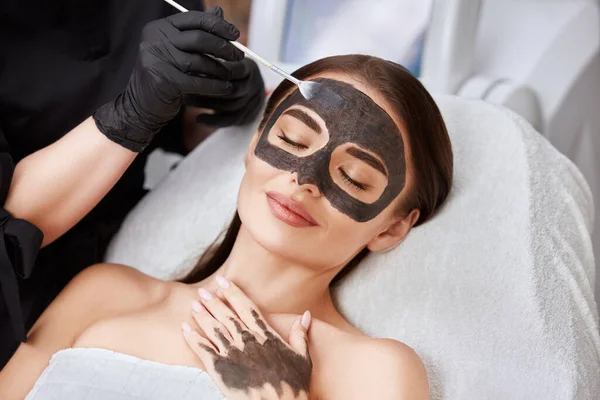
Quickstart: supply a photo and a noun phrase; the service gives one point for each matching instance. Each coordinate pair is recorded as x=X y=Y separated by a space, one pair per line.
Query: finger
x=224 y=114
x=245 y=308
x=201 y=42
x=205 y=21
x=192 y=84
x=298 y=337
x=244 y=335
x=218 y=120
x=240 y=69
x=226 y=111
x=216 y=10
x=224 y=315
x=226 y=104
x=220 y=105
x=219 y=293
x=204 y=86
x=200 y=345
x=216 y=333
x=200 y=64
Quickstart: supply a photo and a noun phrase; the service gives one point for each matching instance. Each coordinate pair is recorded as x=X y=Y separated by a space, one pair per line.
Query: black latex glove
x=172 y=61
x=241 y=105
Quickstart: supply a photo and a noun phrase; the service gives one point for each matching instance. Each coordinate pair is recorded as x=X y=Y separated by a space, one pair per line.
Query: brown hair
x=428 y=142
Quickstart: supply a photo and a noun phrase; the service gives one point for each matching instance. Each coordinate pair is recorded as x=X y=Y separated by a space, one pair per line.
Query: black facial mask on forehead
x=351 y=117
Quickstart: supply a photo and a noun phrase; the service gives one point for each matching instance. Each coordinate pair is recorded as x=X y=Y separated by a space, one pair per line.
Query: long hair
x=431 y=152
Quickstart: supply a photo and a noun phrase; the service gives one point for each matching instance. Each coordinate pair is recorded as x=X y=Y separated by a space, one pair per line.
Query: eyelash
x=345 y=176
x=352 y=182
x=291 y=143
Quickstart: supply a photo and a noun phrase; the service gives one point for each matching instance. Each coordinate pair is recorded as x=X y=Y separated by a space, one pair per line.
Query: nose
x=306 y=184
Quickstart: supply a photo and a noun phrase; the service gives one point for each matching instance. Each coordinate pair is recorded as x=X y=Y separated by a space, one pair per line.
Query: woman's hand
x=243 y=355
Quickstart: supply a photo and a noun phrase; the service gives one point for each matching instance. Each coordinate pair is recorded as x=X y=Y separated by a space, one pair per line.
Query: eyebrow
x=366 y=157
x=304 y=118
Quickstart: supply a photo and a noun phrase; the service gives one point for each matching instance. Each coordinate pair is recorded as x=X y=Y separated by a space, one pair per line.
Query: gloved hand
x=242 y=104
x=238 y=107
x=172 y=61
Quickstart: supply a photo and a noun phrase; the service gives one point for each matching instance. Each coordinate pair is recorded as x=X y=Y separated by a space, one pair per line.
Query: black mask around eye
x=351 y=117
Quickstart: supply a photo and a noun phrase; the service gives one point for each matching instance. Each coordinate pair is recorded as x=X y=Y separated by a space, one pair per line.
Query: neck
x=274 y=284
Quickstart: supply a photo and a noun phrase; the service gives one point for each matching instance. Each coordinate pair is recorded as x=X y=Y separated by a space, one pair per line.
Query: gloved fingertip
x=235 y=32
x=238 y=55
x=215 y=10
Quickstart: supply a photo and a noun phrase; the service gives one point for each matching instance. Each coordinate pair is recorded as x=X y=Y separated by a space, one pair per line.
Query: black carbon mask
x=351 y=117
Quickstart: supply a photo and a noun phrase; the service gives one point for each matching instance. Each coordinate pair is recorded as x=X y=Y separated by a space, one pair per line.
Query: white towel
x=98 y=374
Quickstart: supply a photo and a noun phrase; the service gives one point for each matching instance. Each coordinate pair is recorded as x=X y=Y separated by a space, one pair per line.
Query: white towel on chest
x=98 y=374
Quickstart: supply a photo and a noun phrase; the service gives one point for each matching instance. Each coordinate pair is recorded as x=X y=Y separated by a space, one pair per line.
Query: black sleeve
x=20 y=242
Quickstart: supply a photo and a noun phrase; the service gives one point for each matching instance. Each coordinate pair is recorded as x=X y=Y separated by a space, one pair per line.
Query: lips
x=289 y=211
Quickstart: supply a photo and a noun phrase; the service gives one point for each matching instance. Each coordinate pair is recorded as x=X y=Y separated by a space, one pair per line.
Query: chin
x=270 y=233
x=278 y=238
x=294 y=245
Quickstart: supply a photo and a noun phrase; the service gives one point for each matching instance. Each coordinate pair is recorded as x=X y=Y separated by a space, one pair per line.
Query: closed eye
x=352 y=182
x=291 y=143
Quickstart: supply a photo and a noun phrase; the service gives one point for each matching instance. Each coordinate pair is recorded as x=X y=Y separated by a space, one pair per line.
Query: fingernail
x=197 y=307
x=222 y=282
x=306 y=319
x=186 y=327
x=205 y=294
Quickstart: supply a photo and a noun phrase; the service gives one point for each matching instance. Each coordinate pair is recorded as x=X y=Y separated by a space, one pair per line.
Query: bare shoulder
x=110 y=289
x=97 y=292
x=113 y=273
x=100 y=291
x=396 y=369
x=123 y=281
x=357 y=366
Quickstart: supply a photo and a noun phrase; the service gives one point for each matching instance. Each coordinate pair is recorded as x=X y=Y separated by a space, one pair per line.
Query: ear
x=395 y=233
x=251 y=147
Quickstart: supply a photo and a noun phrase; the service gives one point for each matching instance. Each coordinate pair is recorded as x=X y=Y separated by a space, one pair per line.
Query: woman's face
x=326 y=176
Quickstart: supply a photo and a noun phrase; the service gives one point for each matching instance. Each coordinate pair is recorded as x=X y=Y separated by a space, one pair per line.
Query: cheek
x=258 y=171
x=346 y=237
x=251 y=202
x=256 y=180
